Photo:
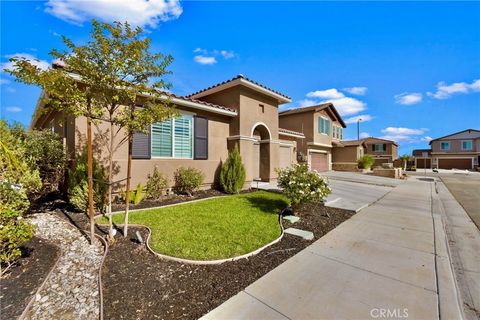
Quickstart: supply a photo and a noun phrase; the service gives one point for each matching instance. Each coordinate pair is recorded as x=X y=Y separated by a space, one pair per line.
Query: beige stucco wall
x=455 y=146
x=218 y=131
x=346 y=154
x=391 y=152
x=299 y=122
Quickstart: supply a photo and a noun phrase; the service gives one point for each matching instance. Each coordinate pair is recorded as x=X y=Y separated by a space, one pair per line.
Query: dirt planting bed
x=139 y=285
x=21 y=282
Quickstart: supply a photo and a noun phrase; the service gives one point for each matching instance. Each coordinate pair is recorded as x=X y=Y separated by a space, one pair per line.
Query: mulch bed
x=21 y=282
x=139 y=285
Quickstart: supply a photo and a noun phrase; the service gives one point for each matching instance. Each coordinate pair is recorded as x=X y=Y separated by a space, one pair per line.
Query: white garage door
x=319 y=162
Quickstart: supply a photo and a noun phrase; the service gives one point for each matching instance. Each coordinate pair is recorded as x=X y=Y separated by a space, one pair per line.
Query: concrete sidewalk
x=381 y=261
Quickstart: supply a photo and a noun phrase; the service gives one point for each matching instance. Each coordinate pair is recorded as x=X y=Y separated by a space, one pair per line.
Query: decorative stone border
x=209 y=262
x=60 y=251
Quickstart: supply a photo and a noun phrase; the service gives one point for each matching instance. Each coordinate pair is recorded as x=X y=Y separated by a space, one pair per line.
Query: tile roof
x=208 y=104
x=378 y=140
x=281 y=130
x=317 y=107
x=348 y=143
x=240 y=76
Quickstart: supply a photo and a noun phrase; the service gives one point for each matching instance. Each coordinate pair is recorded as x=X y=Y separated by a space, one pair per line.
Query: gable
x=472 y=134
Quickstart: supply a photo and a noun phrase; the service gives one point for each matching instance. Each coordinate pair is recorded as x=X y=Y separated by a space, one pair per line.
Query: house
x=348 y=152
x=422 y=158
x=460 y=150
x=322 y=128
x=237 y=111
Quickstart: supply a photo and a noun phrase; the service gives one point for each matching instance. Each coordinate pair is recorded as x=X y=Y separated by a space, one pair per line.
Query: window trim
x=182 y=113
x=375 y=147
x=471 y=145
x=447 y=142
x=329 y=127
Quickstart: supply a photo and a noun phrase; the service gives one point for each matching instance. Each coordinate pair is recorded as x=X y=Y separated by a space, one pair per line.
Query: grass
x=212 y=229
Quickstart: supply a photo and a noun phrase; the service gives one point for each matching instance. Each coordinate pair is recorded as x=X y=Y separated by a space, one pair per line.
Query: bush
x=78 y=184
x=44 y=151
x=232 y=173
x=156 y=183
x=366 y=161
x=14 y=230
x=301 y=185
x=187 y=180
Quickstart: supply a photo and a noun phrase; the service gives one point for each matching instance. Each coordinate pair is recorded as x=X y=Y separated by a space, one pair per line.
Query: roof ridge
x=239 y=76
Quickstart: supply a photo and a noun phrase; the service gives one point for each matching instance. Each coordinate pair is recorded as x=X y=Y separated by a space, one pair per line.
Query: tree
x=404 y=159
x=105 y=80
x=232 y=173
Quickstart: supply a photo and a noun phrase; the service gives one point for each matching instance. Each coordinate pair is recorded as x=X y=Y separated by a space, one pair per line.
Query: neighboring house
x=345 y=156
x=322 y=128
x=348 y=152
x=422 y=158
x=212 y=120
x=460 y=150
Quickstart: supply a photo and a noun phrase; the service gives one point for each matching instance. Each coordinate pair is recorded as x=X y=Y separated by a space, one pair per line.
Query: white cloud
x=404 y=135
x=205 y=59
x=203 y=54
x=347 y=106
x=326 y=94
x=408 y=98
x=307 y=103
x=361 y=117
x=42 y=64
x=445 y=91
x=11 y=90
x=406 y=131
x=2 y=80
x=364 y=135
x=427 y=139
x=360 y=91
x=14 y=109
x=137 y=12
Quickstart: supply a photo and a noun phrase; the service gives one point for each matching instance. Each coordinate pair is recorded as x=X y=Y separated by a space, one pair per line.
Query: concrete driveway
x=390 y=258
x=361 y=178
x=354 y=196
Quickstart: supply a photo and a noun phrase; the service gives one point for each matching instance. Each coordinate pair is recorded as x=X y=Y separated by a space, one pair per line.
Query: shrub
x=232 y=173
x=366 y=161
x=187 y=180
x=156 y=183
x=301 y=185
x=14 y=230
x=78 y=184
x=136 y=196
x=44 y=150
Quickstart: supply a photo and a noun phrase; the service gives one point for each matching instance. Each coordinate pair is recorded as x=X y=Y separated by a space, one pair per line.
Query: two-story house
x=322 y=127
x=348 y=152
x=237 y=111
x=460 y=150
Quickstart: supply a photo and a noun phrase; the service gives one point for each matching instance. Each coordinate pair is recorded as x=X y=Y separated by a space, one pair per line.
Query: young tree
x=404 y=159
x=105 y=80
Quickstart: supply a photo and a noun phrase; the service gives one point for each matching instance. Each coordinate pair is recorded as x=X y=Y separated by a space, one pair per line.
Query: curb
x=207 y=262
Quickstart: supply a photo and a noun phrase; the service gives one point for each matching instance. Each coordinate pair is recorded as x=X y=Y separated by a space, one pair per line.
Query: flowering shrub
x=187 y=180
x=301 y=185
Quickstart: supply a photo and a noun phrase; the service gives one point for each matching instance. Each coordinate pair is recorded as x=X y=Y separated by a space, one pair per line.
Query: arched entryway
x=261 y=152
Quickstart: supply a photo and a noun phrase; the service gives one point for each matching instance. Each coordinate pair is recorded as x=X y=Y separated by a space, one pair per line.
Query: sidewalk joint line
x=266 y=305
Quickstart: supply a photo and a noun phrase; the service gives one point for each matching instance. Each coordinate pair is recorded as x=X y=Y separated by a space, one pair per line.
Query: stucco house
x=322 y=127
x=212 y=120
x=347 y=153
x=460 y=150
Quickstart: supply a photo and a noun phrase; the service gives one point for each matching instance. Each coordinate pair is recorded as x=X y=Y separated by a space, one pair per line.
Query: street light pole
x=358 y=128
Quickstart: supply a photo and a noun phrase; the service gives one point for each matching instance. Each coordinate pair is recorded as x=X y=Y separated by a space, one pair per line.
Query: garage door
x=424 y=163
x=319 y=161
x=285 y=155
x=464 y=163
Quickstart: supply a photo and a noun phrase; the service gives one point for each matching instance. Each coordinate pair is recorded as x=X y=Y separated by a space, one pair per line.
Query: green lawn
x=212 y=229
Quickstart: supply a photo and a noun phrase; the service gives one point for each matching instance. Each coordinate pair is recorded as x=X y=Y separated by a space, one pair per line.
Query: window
x=173 y=138
x=262 y=108
x=324 y=126
x=378 y=147
x=467 y=145
x=445 y=145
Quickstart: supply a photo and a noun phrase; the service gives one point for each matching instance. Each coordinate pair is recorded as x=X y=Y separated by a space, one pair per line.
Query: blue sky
x=410 y=70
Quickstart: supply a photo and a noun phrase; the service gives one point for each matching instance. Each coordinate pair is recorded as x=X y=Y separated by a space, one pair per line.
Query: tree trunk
x=110 y=177
x=90 y=178
x=127 y=194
